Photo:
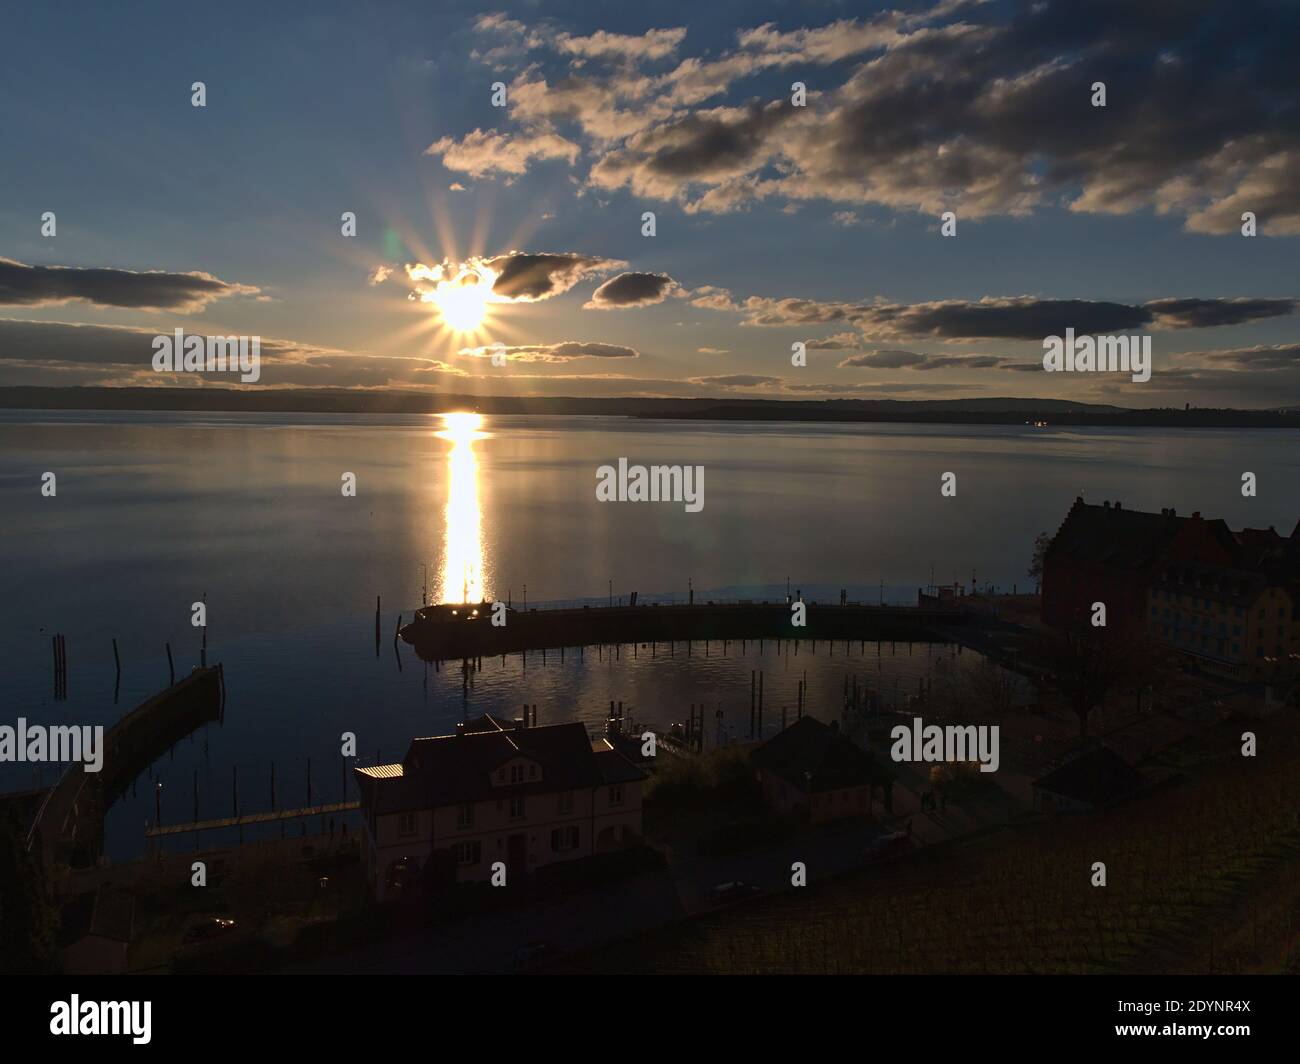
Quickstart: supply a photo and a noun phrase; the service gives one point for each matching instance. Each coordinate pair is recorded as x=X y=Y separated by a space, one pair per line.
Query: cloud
x=564 y=351
x=479 y=153
x=979 y=108
x=1002 y=317
x=632 y=290
x=182 y=293
x=892 y=359
x=380 y=274
x=846 y=341
x=846 y=218
x=960 y=362
x=737 y=380
x=511 y=277
x=651 y=45
x=710 y=297
x=526 y=277
x=885 y=359
x=712 y=351
x=1210 y=313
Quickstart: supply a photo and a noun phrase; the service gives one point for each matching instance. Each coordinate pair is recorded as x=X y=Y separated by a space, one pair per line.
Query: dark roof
x=1133 y=539
x=1113 y=536
x=1095 y=777
x=613 y=766
x=451 y=769
x=809 y=746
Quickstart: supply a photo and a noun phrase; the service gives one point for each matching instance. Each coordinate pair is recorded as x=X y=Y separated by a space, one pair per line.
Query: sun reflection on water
x=462 y=564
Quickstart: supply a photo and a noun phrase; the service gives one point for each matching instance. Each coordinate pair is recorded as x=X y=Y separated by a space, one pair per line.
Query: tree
x=1041 y=542
x=1088 y=665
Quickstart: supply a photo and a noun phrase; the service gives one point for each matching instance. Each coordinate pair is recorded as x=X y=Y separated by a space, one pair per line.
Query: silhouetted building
x=811 y=769
x=496 y=791
x=1228 y=600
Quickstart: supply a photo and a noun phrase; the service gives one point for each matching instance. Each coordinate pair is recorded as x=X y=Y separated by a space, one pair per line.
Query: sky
x=798 y=160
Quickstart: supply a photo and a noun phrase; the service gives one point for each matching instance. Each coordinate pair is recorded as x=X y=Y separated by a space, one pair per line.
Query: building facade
x=1227 y=601
x=495 y=797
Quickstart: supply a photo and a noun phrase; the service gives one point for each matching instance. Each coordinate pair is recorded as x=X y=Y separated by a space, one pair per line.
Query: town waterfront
x=155 y=511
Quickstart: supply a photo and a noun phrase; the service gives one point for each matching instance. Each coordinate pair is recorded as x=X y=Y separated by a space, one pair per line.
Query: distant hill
x=1005 y=410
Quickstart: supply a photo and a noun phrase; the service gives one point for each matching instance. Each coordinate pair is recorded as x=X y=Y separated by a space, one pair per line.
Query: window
x=565 y=803
x=467 y=853
x=532 y=772
x=516 y=773
x=564 y=839
x=406 y=824
x=616 y=794
x=465 y=815
x=517 y=806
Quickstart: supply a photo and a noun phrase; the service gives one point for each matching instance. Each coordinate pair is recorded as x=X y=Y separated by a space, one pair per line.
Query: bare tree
x=1088 y=665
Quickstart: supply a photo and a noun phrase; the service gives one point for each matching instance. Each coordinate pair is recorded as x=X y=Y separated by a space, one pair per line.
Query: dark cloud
x=1010 y=317
x=632 y=290
x=1208 y=313
x=22 y=285
x=1022 y=318
x=527 y=277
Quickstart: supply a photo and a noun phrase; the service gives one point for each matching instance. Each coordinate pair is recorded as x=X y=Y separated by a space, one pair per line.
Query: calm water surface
x=154 y=511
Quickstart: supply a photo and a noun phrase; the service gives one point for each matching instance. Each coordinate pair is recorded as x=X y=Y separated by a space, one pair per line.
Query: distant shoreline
x=997 y=411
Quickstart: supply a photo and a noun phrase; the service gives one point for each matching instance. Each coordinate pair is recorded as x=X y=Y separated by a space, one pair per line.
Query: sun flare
x=463 y=302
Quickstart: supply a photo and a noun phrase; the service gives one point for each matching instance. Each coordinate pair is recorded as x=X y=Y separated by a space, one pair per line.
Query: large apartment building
x=1229 y=601
x=495 y=794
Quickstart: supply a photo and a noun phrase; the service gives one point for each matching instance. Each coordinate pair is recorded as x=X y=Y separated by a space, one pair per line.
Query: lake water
x=154 y=511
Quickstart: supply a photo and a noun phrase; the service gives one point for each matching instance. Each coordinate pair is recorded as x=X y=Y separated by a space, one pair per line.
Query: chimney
x=1117 y=504
x=1196 y=516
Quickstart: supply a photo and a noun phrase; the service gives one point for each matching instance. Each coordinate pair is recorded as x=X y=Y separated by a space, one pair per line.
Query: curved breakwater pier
x=444 y=633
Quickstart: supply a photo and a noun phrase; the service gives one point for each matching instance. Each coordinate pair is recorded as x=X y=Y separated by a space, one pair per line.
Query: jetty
x=68 y=826
x=448 y=632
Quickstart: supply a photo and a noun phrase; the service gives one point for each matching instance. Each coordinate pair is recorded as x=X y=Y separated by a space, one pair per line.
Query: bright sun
x=463 y=303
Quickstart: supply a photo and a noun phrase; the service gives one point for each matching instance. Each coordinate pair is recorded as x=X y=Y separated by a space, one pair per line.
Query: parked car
x=209 y=928
x=726 y=893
